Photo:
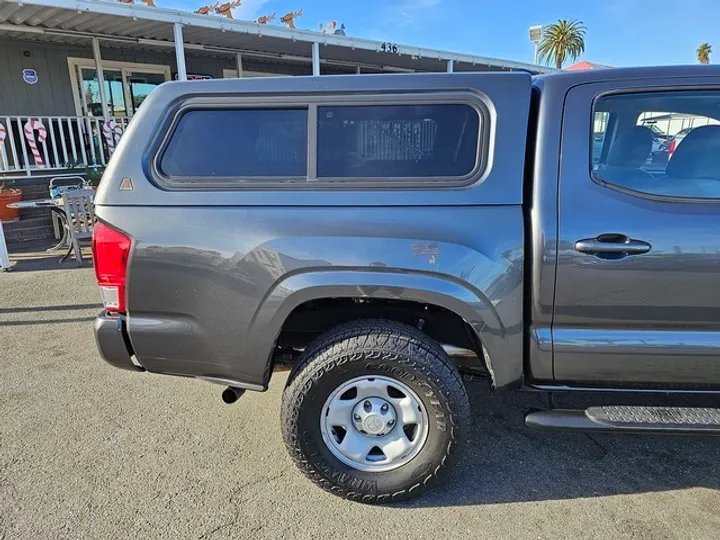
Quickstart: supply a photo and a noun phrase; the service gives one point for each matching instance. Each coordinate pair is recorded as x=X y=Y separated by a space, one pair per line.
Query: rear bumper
x=113 y=343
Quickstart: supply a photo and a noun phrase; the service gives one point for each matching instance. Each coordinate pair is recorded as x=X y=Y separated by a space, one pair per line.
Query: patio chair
x=64 y=184
x=80 y=217
x=58 y=186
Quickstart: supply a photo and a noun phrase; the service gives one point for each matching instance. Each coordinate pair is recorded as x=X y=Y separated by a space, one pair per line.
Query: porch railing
x=51 y=143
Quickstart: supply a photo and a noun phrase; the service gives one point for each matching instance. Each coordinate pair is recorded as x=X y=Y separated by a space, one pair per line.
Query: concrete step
x=33 y=228
x=34 y=223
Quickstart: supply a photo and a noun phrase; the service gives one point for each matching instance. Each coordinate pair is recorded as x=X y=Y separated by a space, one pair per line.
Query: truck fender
x=471 y=305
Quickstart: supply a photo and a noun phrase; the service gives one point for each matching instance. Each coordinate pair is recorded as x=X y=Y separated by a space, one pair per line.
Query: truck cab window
x=660 y=143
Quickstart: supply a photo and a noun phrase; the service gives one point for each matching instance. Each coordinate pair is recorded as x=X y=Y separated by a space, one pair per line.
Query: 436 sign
x=389 y=47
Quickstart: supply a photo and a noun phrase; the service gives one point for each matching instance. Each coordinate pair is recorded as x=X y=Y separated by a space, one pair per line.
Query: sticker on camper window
x=30 y=76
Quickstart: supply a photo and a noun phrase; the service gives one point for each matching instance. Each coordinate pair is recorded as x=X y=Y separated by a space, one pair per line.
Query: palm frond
x=703 y=53
x=561 y=41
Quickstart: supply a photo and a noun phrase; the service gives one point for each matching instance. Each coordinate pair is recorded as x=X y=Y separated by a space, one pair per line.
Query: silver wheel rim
x=374 y=423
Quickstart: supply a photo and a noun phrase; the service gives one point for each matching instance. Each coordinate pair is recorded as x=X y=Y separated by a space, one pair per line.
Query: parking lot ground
x=91 y=452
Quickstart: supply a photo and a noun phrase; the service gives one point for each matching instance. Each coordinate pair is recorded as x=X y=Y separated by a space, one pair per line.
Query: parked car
x=660 y=134
x=384 y=235
x=660 y=151
x=658 y=145
x=677 y=139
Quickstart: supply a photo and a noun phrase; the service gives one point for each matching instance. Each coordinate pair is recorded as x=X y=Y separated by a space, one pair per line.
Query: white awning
x=139 y=26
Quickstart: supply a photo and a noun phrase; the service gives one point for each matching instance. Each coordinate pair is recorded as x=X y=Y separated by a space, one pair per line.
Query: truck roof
x=571 y=78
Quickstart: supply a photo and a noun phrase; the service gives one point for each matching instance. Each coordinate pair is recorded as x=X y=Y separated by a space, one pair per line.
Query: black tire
x=393 y=350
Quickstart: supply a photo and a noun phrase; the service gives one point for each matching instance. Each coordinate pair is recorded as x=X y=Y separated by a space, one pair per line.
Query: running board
x=628 y=419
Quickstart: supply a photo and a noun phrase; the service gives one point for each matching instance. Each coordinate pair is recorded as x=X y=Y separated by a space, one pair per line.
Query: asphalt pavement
x=91 y=452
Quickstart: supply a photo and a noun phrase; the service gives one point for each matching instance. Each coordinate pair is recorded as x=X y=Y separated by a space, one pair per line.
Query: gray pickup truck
x=382 y=236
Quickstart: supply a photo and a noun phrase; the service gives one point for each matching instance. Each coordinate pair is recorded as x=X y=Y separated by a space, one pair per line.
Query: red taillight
x=671 y=147
x=111 y=249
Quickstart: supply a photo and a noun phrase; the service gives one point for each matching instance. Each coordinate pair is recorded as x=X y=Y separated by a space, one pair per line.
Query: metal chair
x=58 y=186
x=80 y=217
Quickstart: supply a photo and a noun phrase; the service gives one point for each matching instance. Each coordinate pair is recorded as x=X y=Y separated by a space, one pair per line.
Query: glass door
x=125 y=88
x=114 y=91
x=139 y=84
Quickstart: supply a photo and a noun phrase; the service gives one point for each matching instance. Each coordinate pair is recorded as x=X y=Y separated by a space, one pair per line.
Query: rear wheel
x=374 y=411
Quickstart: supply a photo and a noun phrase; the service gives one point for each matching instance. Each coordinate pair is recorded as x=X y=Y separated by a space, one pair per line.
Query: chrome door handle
x=612 y=244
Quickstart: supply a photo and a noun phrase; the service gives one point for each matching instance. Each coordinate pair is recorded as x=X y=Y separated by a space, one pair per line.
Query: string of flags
x=225 y=10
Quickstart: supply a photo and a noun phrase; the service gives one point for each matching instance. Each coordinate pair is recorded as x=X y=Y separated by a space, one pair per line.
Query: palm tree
x=562 y=40
x=703 y=53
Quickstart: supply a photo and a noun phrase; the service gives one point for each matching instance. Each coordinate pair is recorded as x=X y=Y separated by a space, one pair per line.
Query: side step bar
x=628 y=419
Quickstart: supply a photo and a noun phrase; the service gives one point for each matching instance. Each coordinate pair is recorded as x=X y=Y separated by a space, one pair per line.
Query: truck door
x=637 y=296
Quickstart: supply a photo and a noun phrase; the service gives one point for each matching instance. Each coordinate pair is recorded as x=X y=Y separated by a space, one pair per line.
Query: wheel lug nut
x=367 y=405
x=384 y=408
x=390 y=423
x=356 y=417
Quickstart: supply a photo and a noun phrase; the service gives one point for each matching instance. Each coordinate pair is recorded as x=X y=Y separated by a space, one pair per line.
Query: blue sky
x=620 y=32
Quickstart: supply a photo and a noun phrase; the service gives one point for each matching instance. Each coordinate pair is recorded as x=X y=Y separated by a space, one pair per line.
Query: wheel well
x=312 y=318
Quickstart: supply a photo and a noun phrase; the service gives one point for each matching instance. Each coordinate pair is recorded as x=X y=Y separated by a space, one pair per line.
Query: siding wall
x=52 y=94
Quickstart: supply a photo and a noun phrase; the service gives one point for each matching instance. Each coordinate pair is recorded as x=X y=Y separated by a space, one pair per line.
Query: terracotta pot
x=8 y=196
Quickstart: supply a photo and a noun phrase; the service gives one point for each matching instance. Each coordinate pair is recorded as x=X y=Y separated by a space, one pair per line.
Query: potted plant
x=9 y=195
x=92 y=173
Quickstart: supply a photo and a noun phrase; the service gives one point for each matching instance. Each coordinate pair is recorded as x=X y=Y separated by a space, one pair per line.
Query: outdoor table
x=55 y=206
